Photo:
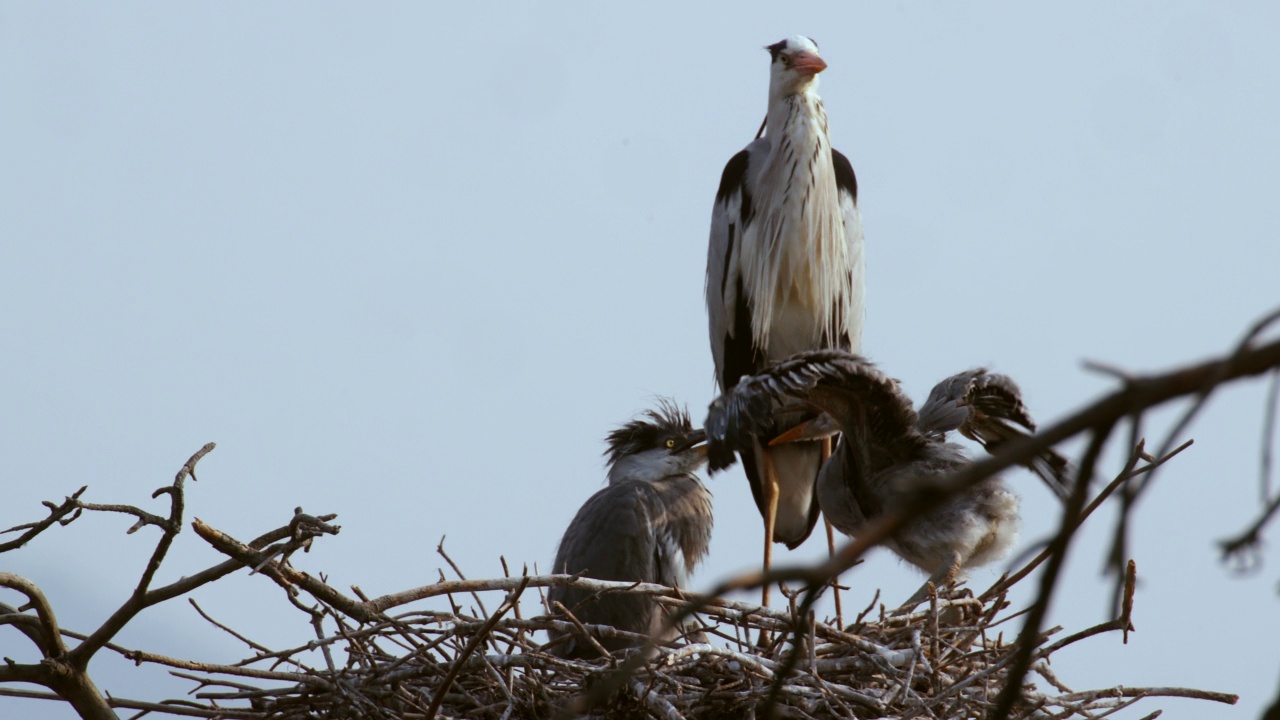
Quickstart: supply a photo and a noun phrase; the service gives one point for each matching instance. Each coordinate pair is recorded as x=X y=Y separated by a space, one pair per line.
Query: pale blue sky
x=410 y=263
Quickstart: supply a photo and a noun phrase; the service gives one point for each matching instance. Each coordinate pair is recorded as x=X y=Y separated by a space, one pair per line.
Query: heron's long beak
x=695 y=441
x=807 y=63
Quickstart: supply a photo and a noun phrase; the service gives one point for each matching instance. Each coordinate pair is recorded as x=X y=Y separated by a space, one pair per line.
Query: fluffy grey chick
x=651 y=523
x=888 y=451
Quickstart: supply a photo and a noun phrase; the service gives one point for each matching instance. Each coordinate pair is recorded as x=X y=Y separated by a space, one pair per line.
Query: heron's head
x=795 y=67
x=642 y=448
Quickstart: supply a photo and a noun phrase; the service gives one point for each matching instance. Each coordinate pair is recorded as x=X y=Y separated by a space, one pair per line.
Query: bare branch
x=1012 y=691
x=1214 y=374
x=1129 y=472
x=57 y=513
x=50 y=643
x=165 y=708
x=1244 y=548
x=1268 y=437
x=250 y=557
x=138 y=601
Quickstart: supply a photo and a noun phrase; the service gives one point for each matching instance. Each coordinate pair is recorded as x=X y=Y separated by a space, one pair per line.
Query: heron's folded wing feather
x=847 y=189
x=728 y=308
x=611 y=538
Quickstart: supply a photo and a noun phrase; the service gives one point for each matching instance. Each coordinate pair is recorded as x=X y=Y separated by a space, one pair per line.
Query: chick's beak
x=695 y=440
x=807 y=63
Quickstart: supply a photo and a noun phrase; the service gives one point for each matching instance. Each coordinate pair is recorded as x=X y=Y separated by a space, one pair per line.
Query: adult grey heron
x=888 y=451
x=651 y=523
x=785 y=273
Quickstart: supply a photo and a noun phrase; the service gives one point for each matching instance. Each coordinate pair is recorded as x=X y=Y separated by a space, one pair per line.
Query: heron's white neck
x=786 y=99
x=797 y=269
x=651 y=466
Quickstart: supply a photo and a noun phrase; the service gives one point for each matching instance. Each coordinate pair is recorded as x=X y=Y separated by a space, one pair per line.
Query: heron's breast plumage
x=797 y=265
x=685 y=519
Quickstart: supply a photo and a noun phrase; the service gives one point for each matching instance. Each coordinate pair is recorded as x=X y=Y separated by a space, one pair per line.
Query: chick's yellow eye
x=670 y=443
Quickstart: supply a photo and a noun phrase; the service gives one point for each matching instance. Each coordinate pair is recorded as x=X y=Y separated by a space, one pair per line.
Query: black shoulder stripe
x=741 y=356
x=728 y=256
x=845 y=179
x=734 y=177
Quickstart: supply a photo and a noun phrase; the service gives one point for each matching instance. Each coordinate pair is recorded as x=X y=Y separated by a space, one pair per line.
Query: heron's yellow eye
x=670 y=443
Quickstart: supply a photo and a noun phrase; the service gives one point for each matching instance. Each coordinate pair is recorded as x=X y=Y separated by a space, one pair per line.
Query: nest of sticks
x=945 y=660
x=439 y=651
x=392 y=657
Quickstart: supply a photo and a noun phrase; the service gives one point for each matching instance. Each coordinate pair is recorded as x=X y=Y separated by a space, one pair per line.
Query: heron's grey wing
x=988 y=408
x=863 y=401
x=611 y=538
x=847 y=188
x=728 y=307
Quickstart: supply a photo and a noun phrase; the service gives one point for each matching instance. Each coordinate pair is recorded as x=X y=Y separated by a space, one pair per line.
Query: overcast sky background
x=410 y=263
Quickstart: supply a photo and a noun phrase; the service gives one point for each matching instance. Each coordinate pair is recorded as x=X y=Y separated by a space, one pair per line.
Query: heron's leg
x=835 y=581
x=944 y=576
x=771 y=493
x=831 y=544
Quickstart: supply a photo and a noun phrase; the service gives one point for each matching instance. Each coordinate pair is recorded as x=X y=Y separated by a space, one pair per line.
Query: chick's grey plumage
x=651 y=523
x=888 y=451
x=785 y=270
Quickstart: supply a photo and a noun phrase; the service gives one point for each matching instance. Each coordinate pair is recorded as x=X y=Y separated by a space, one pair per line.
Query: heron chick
x=651 y=523
x=888 y=452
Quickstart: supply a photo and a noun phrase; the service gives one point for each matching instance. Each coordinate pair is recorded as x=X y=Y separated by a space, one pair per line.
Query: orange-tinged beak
x=795 y=434
x=807 y=63
x=817 y=428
